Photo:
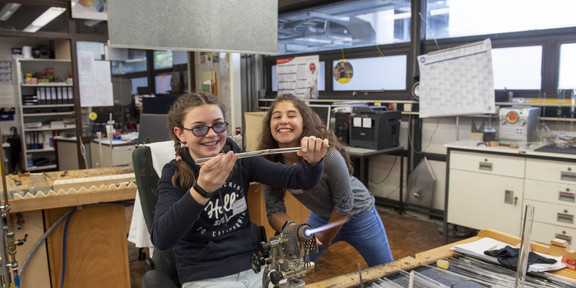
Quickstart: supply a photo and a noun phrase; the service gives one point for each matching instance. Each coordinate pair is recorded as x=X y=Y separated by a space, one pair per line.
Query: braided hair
x=176 y=115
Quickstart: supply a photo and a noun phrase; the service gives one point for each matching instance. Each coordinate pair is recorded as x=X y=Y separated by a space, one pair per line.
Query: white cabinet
x=551 y=188
x=106 y=155
x=485 y=191
x=489 y=188
x=46 y=109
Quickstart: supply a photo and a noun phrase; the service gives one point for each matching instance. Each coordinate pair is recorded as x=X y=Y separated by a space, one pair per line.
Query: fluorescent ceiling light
x=402 y=15
x=8 y=10
x=329 y=17
x=44 y=19
x=439 y=11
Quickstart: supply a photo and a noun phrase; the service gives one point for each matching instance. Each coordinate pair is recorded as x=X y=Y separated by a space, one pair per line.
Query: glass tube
x=525 y=246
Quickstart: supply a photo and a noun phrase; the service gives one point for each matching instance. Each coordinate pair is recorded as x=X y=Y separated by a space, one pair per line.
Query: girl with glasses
x=202 y=210
x=340 y=200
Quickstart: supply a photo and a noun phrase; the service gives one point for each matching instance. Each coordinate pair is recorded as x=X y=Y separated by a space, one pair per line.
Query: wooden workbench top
x=39 y=191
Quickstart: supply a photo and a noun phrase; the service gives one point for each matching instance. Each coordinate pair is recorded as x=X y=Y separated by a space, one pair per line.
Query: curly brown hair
x=312 y=126
x=176 y=115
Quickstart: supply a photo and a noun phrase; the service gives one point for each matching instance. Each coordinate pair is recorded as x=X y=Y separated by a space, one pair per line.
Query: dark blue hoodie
x=215 y=240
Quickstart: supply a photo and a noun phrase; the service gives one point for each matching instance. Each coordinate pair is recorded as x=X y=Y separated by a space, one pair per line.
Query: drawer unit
x=549 y=192
x=550 y=170
x=561 y=215
x=488 y=163
x=543 y=233
x=110 y=156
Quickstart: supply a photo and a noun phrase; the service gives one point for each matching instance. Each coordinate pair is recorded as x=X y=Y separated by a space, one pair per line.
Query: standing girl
x=340 y=199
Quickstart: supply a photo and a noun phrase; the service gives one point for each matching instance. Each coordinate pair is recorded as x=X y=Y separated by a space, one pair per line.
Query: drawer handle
x=566 y=196
x=487 y=166
x=564 y=237
x=568 y=176
x=509 y=197
x=565 y=218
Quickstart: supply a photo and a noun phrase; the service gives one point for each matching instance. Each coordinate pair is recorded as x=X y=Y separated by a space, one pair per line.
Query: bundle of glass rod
x=466 y=272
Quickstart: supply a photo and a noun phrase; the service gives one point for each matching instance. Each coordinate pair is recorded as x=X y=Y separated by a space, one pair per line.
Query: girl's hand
x=313 y=149
x=214 y=173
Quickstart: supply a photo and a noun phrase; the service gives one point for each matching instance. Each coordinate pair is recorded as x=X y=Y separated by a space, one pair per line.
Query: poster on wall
x=457 y=81
x=298 y=76
x=95 y=81
x=90 y=9
x=343 y=71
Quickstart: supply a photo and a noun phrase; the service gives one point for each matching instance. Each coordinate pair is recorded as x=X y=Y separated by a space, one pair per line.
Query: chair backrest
x=148 y=161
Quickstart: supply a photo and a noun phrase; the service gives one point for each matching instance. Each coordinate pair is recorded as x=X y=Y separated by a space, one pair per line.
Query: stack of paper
x=476 y=249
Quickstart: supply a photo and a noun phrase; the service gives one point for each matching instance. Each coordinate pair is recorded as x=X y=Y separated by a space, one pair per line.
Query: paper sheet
x=457 y=81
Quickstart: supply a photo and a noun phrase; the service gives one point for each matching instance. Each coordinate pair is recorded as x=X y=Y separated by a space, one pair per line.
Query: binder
x=54 y=96
x=70 y=96
x=42 y=95
x=59 y=95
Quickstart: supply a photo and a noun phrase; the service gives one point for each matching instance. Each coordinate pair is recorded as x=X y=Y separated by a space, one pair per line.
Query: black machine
x=341 y=129
x=369 y=127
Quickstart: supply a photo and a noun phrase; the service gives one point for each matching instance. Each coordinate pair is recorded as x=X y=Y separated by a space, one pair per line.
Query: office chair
x=160 y=268
x=148 y=161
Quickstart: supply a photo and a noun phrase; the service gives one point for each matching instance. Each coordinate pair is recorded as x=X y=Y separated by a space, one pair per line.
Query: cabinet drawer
x=488 y=163
x=552 y=171
x=481 y=201
x=543 y=233
x=561 y=215
x=122 y=155
x=555 y=193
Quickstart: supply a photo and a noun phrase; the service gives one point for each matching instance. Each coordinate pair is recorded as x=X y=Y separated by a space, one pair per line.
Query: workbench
x=96 y=246
x=427 y=257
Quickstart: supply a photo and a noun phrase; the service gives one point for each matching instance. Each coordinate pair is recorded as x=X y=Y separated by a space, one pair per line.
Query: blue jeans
x=365 y=232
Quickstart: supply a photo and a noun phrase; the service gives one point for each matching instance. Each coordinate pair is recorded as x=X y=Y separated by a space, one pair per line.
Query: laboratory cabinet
x=45 y=109
x=486 y=191
x=550 y=187
x=103 y=154
x=489 y=188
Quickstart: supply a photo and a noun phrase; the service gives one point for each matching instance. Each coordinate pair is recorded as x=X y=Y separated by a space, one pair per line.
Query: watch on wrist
x=286 y=224
x=201 y=191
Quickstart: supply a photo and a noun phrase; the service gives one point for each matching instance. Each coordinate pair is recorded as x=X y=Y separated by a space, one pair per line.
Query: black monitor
x=324 y=112
x=153 y=128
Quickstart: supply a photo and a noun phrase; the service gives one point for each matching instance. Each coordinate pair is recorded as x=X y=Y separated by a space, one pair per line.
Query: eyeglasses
x=202 y=130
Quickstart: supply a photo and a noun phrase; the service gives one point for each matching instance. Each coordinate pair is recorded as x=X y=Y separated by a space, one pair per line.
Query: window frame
x=549 y=39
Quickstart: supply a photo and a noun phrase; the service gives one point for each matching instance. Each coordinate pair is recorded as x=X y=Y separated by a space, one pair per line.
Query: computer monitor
x=153 y=128
x=324 y=112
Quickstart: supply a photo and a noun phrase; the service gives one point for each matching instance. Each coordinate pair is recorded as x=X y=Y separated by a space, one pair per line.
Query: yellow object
x=443 y=263
x=93 y=116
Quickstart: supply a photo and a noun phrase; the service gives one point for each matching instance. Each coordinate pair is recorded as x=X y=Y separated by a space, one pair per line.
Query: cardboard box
x=253 y=122
x=61 y=49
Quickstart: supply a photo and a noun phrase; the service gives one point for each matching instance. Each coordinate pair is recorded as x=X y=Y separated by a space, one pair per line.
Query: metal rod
x=7 y=263
x=525 y=246
x=201 y=161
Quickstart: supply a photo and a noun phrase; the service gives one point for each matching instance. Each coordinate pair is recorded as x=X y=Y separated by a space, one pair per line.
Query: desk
x=96 y=247
x=362 y=153
x=428 y=257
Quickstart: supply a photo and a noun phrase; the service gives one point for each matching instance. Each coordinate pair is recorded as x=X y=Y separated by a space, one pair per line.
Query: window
x=517 y=68
x=458 y=18
x=345 y=24
x=374 y=73
x=567 y=73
